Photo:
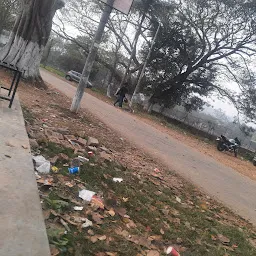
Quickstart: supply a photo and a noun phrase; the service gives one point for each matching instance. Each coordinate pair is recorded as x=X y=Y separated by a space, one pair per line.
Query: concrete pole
x=137 y=88
x=91 y=57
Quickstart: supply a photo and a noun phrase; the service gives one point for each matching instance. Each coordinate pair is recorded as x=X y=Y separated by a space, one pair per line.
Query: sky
x=225 y=105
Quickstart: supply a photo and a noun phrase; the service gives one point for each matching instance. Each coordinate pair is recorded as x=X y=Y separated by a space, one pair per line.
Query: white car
x=75 y=76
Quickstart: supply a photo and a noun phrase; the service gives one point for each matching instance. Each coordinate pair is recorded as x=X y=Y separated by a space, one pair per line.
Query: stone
x=33 y=143
x=40 y=137
x=63 y=157
x=105 y=149
x=81 y=134
x=70 y=137
x=92 y=142
x=91 y=148
x=54 y=140
x=82 y=142
x=66 y=144
x=51 y=134
x=63 y=131
x=54 y=159
x=105 y=156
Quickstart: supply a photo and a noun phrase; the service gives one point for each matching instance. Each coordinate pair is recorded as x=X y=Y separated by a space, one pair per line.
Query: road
x=223 y=183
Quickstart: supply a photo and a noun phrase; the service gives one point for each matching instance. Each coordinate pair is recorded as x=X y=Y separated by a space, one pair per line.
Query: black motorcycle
x=230 y=145
x=254 y=160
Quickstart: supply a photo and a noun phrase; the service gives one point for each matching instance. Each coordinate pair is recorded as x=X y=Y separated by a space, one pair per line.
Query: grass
x=151 y=207
x=54 y=70
x=28 y=116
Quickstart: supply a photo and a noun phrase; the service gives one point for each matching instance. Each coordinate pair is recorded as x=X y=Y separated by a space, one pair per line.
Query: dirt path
x=228 y=186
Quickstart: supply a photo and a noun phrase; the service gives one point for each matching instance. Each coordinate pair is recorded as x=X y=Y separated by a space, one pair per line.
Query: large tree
x=202 y=42
x=30 y=35
x=117 y=45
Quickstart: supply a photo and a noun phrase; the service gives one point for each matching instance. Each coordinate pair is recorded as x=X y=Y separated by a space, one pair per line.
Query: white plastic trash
x=39 y=160
x=87 y=224
x=117 y=180
x=83 y=159
x=86 y=195
x=44 y=168
x=78 y=208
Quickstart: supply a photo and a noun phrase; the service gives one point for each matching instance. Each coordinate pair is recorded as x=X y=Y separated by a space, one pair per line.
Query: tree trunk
x=30 y=35
x=46 y=52
x=150 y=108
x=109 y=83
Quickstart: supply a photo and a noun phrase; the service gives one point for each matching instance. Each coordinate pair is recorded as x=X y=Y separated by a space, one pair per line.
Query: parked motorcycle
x=254 y=161
x=225 y=144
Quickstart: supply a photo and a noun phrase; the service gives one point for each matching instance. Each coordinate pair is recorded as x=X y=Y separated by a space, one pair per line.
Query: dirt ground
x=239 y=164
x=51 y=109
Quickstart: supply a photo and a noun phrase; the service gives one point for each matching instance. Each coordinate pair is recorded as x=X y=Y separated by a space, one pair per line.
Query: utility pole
x=137 y=88
x=91 y=57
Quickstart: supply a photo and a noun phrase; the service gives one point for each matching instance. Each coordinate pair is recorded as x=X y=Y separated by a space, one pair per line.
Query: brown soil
x=239 y=164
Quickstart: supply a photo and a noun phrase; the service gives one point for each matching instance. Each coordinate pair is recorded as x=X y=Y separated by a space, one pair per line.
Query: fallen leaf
x=100 y=254
x=102 y=238
x=125 y=220
x=111 y=212
x=97 y=218
x=69 y=184
x=90 y=232
x=120 y=211
x=224 y=240
x=162 y=231
x=204 y=206
x=87 y=224
x=46 y=214
x=94 y=239
x=179 y=240
x=178 y=199
x=131 y=224
x=54 y=251
x=96 y=201
x=214 y=238
x=153 y=253
x=156 y=237
x=111 y=253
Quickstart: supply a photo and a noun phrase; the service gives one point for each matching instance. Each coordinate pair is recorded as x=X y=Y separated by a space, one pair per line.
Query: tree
x=201 y=43
x=116 y=43
x=30 y=35
x=7 y=10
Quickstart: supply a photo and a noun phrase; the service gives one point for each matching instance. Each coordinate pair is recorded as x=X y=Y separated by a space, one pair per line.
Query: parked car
x=75 y=76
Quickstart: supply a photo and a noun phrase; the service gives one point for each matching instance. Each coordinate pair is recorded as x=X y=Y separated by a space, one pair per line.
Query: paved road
x=219 y=181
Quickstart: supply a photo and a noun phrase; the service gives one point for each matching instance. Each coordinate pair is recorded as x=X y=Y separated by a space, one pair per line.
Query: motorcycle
x=225 y=144
x=254 y=161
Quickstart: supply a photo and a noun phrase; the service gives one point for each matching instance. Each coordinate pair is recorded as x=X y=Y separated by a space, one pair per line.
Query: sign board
x=123 y=6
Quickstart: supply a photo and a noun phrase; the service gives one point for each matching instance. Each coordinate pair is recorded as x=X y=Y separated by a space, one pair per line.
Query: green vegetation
x=54 y=70
x=154 y=209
